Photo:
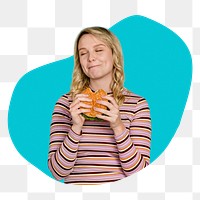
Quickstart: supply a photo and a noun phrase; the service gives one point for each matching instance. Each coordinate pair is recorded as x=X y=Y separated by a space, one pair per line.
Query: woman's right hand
x=76 y=108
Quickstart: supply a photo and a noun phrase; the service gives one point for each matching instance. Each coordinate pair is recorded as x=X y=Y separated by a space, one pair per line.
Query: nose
x=91 y=57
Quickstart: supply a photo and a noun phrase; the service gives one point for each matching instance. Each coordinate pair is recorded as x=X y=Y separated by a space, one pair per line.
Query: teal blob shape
x=158 y=66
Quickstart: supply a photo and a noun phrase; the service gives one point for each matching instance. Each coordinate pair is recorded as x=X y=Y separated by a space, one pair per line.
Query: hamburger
x=94 y=96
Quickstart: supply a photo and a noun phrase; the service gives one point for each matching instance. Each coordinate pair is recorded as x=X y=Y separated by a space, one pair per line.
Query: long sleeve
x=134 y=144
x=63 y=141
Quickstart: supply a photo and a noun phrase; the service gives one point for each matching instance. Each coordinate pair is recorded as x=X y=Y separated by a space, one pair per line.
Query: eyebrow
x=94 y=46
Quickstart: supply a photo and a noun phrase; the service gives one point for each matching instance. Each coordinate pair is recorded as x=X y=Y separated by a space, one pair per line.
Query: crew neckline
x=107 y=93
x=95 y=91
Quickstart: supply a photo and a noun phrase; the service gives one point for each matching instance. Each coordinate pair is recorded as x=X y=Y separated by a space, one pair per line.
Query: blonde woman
x=94 y=152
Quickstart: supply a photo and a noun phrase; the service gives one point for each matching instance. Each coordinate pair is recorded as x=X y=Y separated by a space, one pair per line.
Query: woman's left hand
x=112 y=114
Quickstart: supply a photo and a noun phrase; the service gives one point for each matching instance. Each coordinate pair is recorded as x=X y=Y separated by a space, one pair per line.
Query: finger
x=79 y=96
x=104 y=117
x=103 y=111
x=80 y=105
x=78 y=100
x=82 y=95
x=112 y=100
x=82 y=110
x=105 y=103
x=83 y=99
x=85 y=105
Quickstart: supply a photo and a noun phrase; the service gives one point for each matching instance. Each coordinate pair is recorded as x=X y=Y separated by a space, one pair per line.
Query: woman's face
x=96 y=57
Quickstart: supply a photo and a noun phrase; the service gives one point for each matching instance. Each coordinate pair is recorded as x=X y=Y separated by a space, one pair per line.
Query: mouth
x=92 y=66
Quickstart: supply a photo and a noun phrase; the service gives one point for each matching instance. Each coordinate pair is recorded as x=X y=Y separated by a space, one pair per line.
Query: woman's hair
x=80 y=81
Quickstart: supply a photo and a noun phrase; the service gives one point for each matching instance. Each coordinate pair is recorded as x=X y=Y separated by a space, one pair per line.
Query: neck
x=96 y=85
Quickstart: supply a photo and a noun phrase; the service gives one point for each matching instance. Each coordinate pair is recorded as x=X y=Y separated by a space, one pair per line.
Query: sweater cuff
x=74 y=135
x=121 y=136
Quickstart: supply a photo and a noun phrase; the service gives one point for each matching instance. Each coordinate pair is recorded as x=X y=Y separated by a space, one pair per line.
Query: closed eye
x=81 y=54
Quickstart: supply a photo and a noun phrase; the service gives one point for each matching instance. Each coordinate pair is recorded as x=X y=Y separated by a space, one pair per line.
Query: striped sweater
x=97 y=155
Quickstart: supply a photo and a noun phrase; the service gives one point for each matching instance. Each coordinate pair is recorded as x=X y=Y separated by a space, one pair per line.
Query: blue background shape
x=158 y=66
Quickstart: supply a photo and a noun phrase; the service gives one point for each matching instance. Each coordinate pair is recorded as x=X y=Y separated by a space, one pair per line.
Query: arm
x=63 y=141
x=134 y=144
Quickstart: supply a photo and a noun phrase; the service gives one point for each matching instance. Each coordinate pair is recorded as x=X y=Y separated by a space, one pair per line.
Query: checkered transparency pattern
x=37 y=32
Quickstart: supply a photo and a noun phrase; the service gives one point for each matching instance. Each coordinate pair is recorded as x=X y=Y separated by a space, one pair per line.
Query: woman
x=93 y=152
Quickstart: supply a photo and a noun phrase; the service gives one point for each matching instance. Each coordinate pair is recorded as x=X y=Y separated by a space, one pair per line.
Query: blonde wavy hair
x=80 y=81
